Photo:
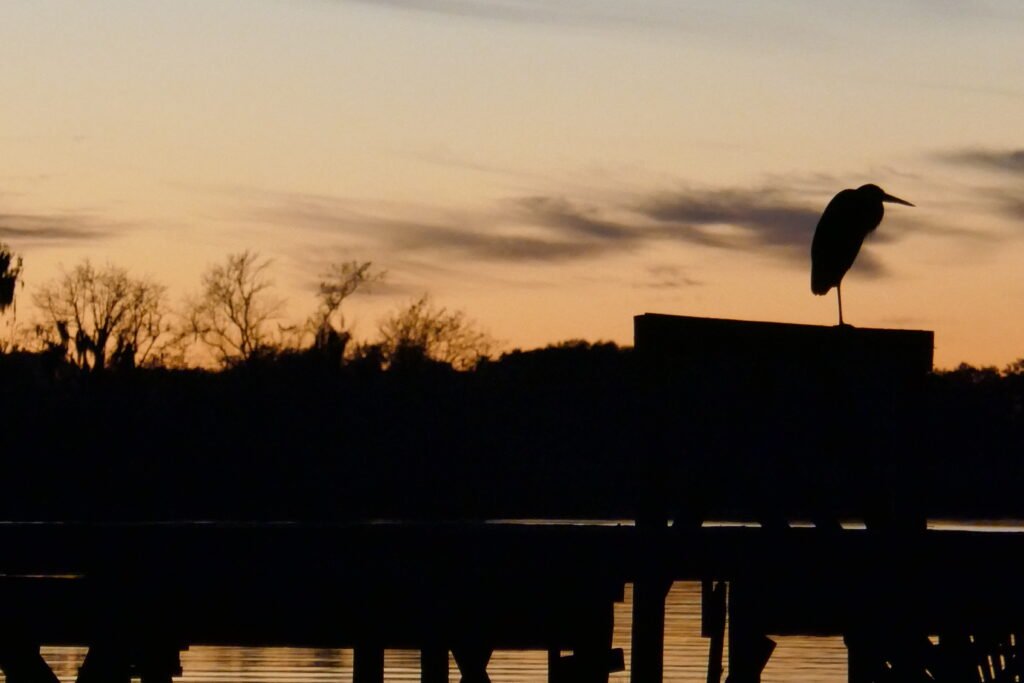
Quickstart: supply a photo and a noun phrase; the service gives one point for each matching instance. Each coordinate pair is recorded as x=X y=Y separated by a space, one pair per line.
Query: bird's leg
x=839 y=295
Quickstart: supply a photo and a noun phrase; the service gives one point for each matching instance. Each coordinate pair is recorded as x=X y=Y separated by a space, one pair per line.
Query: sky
x=550 y=167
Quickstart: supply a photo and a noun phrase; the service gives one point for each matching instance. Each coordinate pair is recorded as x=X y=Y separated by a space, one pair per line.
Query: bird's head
x=879 y=195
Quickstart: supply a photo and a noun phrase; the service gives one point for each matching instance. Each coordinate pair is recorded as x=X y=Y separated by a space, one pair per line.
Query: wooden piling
x=22 y=663
x=434 y=665
x=749 y=648
x=158 y=664
x=105 y=663
x=566 y=669
x=368 y=664
x=591 y=654
x=472 y=662
x=647 y=660
x=858 y=660
x=554 y=665
x=713 y=604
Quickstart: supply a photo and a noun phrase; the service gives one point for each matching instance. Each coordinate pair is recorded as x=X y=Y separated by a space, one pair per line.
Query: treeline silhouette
x=573 y=430
x=102 y=317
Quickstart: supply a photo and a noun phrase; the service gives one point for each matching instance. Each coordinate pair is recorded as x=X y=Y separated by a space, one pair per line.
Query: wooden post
x=22 y=663
x=649 y=592
x=749 y=648
x=957 y=657
x=105 y=663
x=434 y=665
x=592 y=654
x=567 y=669
x=554 y=665
x=858 y=660
x=472 y=662
x=368 y=664
x=647 y=659
x=713 y=601
x=158 y=665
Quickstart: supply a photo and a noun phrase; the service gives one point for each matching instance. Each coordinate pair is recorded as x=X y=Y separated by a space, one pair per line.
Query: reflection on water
x=796 y=659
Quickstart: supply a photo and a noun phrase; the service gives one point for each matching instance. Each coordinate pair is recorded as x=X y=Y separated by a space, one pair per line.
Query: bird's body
x=850 y=217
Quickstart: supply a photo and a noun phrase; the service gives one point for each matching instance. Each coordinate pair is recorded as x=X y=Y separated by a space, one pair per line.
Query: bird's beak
x=895 y=200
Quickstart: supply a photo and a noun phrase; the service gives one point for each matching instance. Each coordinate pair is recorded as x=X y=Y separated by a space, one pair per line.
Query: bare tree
x=10 y=274
x=423 y=330
x=341 y=281
x=10 y=271
x=103 y=316
x=233 y=313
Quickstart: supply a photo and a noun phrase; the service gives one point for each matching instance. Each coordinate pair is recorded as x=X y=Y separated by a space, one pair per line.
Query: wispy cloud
x=496 y=235
x=516 y=10
x=745 y=219
x=1006 y=198
x=651 y=16
x=774 y=216
x=668 y=277
x=700 y=20
x=44 y=229
x=576 y=222
x=573 y=12
x=1009 y=200
x=776 y=220
x=1005 y=160
x=490 y=243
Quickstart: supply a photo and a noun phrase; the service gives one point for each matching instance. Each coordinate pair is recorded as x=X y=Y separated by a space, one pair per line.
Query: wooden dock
x=136 y=590
x=763 y=423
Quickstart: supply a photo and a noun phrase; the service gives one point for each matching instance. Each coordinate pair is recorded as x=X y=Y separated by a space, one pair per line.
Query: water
x=795 y=659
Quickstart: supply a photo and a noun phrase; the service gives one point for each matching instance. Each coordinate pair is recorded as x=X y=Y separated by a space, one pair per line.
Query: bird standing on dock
x=847 y=220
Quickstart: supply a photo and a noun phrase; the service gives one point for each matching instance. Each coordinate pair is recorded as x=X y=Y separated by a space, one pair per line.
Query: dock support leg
x=158 y=665
x=713 y=601
x=433 y=665
x=859 y=660
x=105 y=663
x=647 y=659
x=592 y=655
x=368 y=664
x=472 y=661
x=957 y=660
x=554 y=665
x=749 y=648
x=22 y=663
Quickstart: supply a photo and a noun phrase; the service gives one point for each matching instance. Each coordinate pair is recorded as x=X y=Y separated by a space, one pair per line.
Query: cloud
x=490 y=243
x=495 y=235
x=36 y=228
x=575 y=222
x=515 y=10
x=1007 y=161
x=777 y=221
x=972 y=89
x=561 y=12
x=668 y=277
x=1009 y=201
x=745 y=219
x=738 y=25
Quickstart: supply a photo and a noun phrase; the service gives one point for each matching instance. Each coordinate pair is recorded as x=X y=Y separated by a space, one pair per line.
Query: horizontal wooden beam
x=715 y=343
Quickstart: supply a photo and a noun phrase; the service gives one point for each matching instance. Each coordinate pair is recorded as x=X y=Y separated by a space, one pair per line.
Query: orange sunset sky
x=552 y=167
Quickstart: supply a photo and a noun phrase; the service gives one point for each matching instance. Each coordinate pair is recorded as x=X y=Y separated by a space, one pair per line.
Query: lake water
x=686 y=653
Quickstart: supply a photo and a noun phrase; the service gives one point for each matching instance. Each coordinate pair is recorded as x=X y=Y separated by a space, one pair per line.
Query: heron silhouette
x=846 y=221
